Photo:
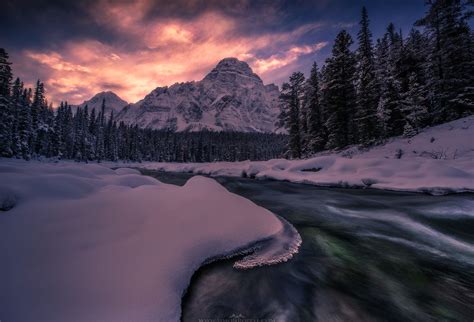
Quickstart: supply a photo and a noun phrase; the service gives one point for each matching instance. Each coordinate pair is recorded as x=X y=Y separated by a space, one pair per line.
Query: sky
x=82 y=47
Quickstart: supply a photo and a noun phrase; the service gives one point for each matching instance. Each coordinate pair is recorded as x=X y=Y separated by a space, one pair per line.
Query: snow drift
x=87 y=243
x=439 y=160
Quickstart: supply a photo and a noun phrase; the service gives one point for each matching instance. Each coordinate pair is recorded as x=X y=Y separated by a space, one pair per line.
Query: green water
x=367 y=255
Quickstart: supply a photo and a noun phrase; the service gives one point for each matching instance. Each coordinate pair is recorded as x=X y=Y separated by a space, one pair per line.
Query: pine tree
x=304 y=130
x=416 y=54
x=316 y=130
x=6 y=117
x=78 y=135
x=68 y=132
x=414 y=59
x=58 y=139
x=339 y=94
x=415 y=107
x=37 y=105
x=367 y=91
x=92 y=130
x=451 y=59
x=291 y=96
x=87 y=139
x=24 y=125
x=15 y=108
x=5 y=74
x=42 y=121
x=99 y=142
x=389 y=56
x=111 y=140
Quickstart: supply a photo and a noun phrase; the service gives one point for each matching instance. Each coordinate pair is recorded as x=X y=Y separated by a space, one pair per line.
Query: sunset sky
x=79 y=48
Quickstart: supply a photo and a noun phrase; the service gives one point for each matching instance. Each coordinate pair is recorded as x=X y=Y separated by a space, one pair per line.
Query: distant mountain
x=230 y=98
x=112 y=103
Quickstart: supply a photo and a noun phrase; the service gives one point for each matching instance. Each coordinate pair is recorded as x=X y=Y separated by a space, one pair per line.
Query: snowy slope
x=112 y=103
x=439 y=160
x=85 y=243
x=453 y=140
x=230 y=98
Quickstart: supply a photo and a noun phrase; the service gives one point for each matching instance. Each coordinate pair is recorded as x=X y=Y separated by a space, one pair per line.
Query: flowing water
x=367 y=255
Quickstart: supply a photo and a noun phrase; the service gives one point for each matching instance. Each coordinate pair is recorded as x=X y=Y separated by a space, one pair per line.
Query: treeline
x=30 y=128
x=396 y=87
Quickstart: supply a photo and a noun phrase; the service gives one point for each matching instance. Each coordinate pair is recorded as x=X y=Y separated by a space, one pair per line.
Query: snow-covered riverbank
x=86 y=243
x=438 y=160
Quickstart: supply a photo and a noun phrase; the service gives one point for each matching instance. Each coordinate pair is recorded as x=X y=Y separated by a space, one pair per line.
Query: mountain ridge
x=112 y=101
x=231 y=97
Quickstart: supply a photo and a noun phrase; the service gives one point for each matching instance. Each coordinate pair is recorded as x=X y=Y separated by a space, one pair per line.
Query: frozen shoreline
x=114 y=244
x=439 y=160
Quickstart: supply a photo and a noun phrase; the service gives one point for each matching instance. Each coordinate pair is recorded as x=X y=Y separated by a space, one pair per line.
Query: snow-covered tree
x=42 y=120
x=99 y=139
x=366 y=83
x=451 y=60
x=25 y=126
x=415 y=107
x=15 y=111
x=6 y=117
x=316 y=131
x=389 y=55
x=339 y=94
x=38 y=104
x=304 y=130
x=291 y=97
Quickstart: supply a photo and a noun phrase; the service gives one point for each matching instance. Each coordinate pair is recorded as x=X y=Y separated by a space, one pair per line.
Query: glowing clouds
x=168 y=34
x=285 y=58
x=56 y=61
x=153 y=52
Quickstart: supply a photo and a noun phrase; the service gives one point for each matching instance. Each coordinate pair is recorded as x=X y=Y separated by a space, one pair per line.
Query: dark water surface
x=367 y=255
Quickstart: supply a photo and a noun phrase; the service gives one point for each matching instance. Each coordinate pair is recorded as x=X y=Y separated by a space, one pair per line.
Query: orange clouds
x=56 y=61
x=160 y=52
x=285 y=58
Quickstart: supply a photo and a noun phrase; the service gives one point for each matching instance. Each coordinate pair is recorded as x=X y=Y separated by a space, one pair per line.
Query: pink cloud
x=285 y=58
x=165 y=51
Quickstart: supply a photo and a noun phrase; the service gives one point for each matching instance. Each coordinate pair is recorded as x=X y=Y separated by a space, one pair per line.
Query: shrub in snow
x=8 y=200
x=368 y=182
x=316 y=169
x=399 y=154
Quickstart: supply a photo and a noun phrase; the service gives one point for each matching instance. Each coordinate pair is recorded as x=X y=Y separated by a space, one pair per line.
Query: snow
x=438 y=160
x=229 y=98
x=112 y=103
x=82 y=242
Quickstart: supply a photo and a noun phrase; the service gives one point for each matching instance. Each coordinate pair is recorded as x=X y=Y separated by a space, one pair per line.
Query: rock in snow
x=230 y=98
x=86 y=243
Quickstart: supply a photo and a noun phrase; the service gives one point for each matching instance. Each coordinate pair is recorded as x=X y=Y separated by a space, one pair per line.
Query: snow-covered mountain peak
x=232 y=69
x=107 y=95
x=231 y=97
x=112 y=102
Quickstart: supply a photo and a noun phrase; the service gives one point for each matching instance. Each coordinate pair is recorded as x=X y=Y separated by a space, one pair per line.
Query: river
x=367 y=255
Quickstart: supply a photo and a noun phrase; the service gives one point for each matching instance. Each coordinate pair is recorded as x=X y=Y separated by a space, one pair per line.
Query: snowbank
x=439 y=160
x=87 y=243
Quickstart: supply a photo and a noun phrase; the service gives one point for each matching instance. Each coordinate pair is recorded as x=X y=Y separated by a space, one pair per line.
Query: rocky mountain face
x=112 y=103
x=230 y=98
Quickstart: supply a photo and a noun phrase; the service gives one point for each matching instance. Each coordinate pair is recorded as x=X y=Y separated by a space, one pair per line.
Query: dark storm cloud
x=43 y=23
x=112 y=86
x=46 y=22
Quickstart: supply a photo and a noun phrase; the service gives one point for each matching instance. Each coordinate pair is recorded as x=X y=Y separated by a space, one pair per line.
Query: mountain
x=230 y=98
x=112 y=103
